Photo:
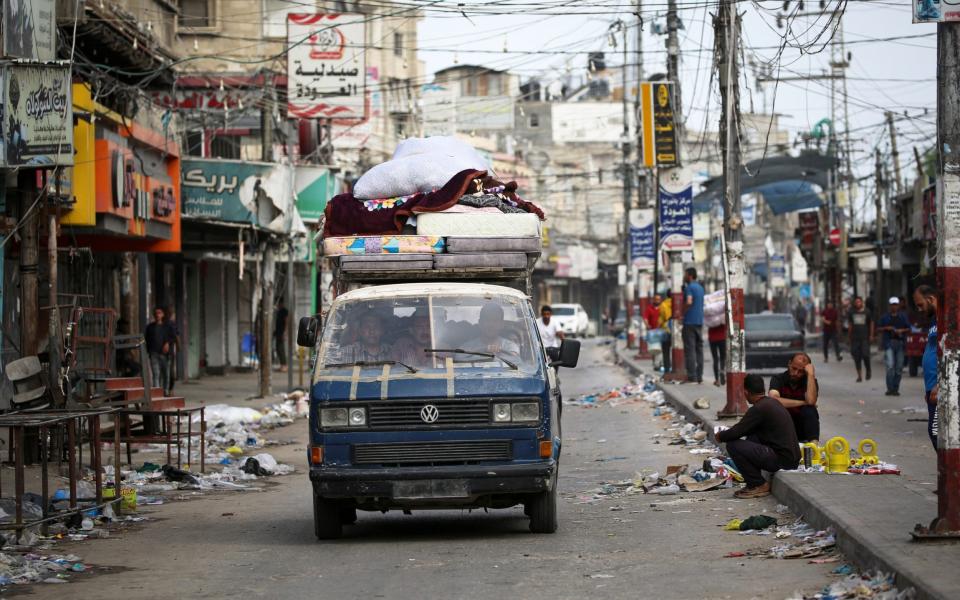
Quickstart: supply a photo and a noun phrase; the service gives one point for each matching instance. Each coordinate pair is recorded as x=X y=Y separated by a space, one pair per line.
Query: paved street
x=872 y=514
x=262 y=545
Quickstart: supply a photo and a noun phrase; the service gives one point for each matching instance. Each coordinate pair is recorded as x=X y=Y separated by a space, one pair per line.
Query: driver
x=369 y=346
x=410 y=348
x=492 y=337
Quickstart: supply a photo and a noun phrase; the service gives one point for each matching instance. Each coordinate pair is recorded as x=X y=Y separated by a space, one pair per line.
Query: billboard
x=676 y=210
x=29 y=30
x=222 y=190
x=642 y=254
x=37 y=116
x=326 y=66
x=660 y=141
x=936 y=11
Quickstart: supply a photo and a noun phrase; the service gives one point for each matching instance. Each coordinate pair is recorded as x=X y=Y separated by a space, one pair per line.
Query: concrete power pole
x=947 y=523
x=267 y=272
x=727 y=34
x=676 y=262
x=897 y=181
x=627 y=173
x=878 y=205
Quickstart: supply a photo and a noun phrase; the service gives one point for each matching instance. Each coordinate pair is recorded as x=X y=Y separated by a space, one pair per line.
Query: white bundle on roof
x=419 y=165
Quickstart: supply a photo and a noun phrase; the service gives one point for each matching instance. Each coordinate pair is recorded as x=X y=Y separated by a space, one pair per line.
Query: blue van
x=432 y=396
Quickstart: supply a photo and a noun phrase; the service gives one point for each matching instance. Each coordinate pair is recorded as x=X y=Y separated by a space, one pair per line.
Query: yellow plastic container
x=817 y=453
x=838 y=455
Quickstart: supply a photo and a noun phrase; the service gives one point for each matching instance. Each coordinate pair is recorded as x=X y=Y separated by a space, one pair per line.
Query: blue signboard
x=676 y=218
x=642 y=253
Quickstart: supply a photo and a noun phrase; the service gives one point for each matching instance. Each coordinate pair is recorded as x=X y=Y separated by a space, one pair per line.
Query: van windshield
x=564 y=311
x=420 y=333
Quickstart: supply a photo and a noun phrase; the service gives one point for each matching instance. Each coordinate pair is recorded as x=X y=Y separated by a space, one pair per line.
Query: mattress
x=501 y=260
x=382 y=244
x=478 y=225
x=466 y=245
x=385 y=262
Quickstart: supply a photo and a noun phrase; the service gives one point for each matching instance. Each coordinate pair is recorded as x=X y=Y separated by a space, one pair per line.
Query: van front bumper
x=433 y=483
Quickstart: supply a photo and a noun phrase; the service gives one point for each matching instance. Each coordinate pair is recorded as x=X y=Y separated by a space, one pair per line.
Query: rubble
x=875 y=586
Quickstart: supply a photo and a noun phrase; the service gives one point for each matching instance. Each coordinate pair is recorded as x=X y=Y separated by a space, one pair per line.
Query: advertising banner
x=778 y=271
x=936 y=11
x=676 y=211
x=642 y=254
x=326 y=66
x=660 y=141
x=37 y=116
x=314 y=187
x=222 y=190
x=29 y=30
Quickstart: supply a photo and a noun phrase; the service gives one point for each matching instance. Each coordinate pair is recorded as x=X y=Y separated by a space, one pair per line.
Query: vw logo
x=429 y=414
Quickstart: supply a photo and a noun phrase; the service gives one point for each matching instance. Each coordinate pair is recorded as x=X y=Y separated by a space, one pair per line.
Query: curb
x=857 y=546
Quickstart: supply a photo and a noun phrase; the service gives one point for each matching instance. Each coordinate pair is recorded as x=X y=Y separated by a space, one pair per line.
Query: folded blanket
x=345 y=215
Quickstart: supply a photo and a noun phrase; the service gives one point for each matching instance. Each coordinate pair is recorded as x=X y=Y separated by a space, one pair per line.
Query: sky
x=548 y=38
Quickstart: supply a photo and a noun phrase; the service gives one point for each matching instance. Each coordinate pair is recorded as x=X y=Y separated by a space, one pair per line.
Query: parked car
x=771 y=339
x=572 y=319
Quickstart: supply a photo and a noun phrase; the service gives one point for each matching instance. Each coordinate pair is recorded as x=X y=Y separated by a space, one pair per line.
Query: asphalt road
x=261 y=544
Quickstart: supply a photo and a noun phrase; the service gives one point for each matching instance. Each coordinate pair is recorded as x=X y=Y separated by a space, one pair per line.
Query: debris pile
x=17 y=568
x=876 y=586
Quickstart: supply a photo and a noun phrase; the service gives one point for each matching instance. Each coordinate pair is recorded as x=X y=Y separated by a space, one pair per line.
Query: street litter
x=21 y=568
x=877 y=586
x=701 y=403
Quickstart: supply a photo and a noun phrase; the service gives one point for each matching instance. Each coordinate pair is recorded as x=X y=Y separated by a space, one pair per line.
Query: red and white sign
x=326 y=66
x=835 y=236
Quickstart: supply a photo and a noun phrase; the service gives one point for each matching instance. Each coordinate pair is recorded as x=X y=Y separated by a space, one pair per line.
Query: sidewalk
x=235 y=389
x=872 y=515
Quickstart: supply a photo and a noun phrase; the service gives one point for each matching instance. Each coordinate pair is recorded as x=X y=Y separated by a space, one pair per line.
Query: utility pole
x=644 y=292
x=727 y=34
x=29 y=264
x=676 y=261
x=947 y=523
x=267 y=271
x=878 y=205
x=897 y=181
x=627 y=173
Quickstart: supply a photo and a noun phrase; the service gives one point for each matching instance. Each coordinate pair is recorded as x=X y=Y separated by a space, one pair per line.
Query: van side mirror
x=569 y=353
x=307 y=331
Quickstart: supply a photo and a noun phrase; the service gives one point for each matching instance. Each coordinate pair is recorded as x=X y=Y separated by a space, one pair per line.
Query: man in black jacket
x=763 y=440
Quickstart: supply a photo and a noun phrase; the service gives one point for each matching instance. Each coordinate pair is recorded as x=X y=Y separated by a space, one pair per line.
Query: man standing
x=550 y=333
x=159 y=337
x=280 y=332
x=895 y=328
x=717 y=336
x=666 y=335
x=800 y=314
x=770 y=442
x=830 y=316
x=693 y=326
x=797 y=390
x=862 y=334
x=651 y=314
x=925 y=297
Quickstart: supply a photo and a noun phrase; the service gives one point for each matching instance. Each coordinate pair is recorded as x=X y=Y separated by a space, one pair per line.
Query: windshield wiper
x=370 y=363
x=475 y=353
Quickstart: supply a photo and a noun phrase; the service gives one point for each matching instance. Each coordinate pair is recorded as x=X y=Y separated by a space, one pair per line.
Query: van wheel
x=542 y=509
x=326 y=519
x=348 y=514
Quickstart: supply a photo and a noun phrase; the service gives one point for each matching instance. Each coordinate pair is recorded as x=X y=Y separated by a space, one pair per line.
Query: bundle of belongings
x=436 y=195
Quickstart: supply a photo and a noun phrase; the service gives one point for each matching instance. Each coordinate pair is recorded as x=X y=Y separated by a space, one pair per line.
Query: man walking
x=763 y=440
x=693 y=326
x=159 y=337
x=862 y=334
x=895 y=328
x=830 y=316
x=550 y=333
x=925 y=297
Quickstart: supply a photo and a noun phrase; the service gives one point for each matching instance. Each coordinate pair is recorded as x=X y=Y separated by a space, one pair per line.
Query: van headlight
x=358 y=417
x=334 y=417
x=501 y=413
x=525 y=411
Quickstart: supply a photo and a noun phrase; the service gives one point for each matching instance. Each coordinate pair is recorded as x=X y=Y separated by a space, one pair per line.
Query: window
x=197 y=13
x=194 y=143
x=225 y=146
x=534 y=121
x=397 y=43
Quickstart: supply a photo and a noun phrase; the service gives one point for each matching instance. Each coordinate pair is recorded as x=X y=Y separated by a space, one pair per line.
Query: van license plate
x=430 y=488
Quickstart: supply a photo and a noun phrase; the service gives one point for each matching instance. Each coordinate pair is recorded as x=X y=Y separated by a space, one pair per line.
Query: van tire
x=326 y=519
x=542 y=509
x=348 y=514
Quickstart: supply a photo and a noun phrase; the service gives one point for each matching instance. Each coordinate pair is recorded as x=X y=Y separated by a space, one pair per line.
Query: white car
x=572 y=319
